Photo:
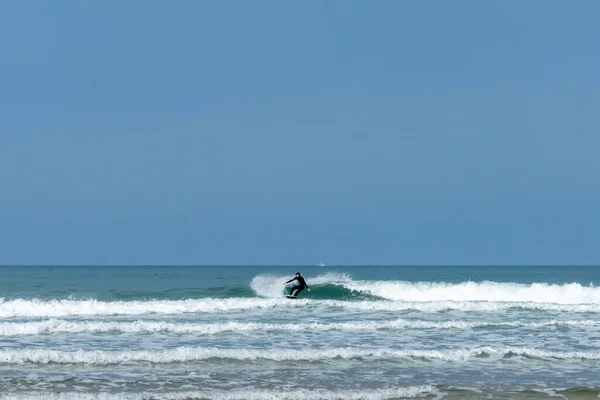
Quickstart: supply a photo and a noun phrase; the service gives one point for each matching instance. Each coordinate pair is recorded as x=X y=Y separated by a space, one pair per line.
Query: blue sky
x=268 y=132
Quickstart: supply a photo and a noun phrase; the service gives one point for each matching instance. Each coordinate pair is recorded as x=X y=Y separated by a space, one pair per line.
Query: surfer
x=299 y=287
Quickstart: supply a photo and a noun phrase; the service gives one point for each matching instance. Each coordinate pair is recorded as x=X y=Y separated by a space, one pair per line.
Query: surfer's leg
x=292 y=290
x=298 y=290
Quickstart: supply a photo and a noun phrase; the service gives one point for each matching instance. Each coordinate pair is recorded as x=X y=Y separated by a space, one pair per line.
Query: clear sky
x=299 y=132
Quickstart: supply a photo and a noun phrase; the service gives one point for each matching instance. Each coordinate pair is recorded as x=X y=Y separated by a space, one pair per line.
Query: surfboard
x=290 y=297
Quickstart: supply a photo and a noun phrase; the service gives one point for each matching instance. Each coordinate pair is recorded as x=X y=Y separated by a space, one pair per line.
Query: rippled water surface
x=361 y=333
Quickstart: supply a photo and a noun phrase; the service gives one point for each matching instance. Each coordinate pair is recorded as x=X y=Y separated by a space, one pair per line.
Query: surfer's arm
x=291 y=280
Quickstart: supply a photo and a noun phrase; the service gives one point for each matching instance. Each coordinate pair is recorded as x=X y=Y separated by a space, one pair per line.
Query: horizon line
x=299 y=265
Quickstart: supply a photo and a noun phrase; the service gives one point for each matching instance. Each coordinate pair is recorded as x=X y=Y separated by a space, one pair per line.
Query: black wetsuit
x=299 y=287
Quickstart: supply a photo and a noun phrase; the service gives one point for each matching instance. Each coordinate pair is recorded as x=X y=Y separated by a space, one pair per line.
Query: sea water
x=361 y=333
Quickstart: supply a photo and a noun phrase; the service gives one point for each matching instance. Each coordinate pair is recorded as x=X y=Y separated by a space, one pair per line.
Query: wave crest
x=68 y=308
x=341 y=286
x=190 y=354
x=254 y=394
x=53 y=326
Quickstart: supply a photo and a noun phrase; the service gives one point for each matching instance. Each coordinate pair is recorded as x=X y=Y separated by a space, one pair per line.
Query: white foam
x=268 y=285
x=60 y=308
x=188 y=354
x=570 y=293
x=466 y=306
x=65 y=308
x=53 y=326
x=253 y=394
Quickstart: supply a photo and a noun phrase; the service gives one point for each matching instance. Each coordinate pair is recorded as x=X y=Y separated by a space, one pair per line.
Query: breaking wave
x=255 y=394
x=189 y=354
x=52 y=326
x=336 y=290
x=335 y=286
x=66 y=308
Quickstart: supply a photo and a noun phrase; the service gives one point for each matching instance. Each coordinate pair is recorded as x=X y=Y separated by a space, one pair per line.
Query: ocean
x=175 y=332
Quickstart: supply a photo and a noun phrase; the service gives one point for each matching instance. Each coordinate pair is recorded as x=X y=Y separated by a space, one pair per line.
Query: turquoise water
x=361 y=333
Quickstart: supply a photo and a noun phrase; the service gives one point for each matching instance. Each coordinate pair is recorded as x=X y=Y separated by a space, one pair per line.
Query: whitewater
x=361 y=333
